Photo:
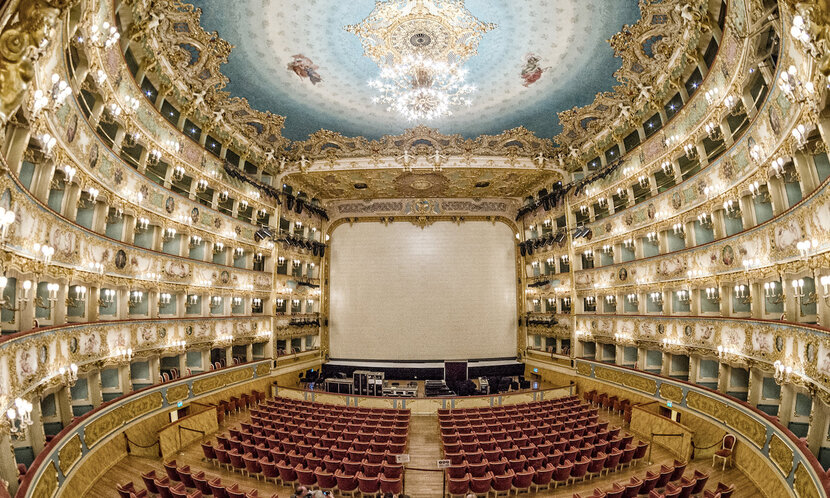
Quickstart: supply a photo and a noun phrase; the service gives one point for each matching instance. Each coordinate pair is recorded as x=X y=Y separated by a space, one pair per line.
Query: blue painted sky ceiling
x=568 y=37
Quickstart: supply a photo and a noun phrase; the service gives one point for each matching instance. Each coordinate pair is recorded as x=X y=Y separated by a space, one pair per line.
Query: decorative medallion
x=687 y=331
x=727 y=255
x=73 y=345
x=170 y=205
x=676 y=200
x=93 y=156
x=194 y=215
x=120 y=259
x=421 y=184
x=779 y=343
x=622 y=275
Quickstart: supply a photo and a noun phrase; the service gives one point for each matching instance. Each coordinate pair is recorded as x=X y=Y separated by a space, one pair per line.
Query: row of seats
x=347 y=463
x=664 y=480
x=610 y=402
x=200 y=484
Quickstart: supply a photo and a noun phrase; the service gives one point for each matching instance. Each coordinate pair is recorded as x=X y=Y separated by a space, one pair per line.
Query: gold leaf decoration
x=70 y=453
x=781 y=454
x=803 y=484
x=583 y=368
x=47 y=484
x=177 y=393
x=671 y=392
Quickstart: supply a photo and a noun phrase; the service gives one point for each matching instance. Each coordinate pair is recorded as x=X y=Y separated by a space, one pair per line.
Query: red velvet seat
x=287 y=472
x=677 y=472
x=305 y=476
x=172 y=471
x=562 y=473
x=632 y=488
x=597 y=465
x=524 y=479
x=613 y=460
x=149 y=481
x=251 y=465
x=722 y=490
x=542 y=476
x=459 y=485
x=700 y=479
x=665 y=476
x=503 y=483
x=325 y=479
x=393 y=485
x=217 y=488
x=346 y=483
x=648 y=482
x=481 y=485
x=371 y=469
x=129 y=489
x=269 y=469
x=615 y=491
x=209 y=453
x=368 y=485
x=580 y=469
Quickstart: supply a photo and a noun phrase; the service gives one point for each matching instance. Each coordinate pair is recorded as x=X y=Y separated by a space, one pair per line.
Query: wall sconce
x=92 y=194
x=215 y=301
x=726 y=353
x=54 y=97
x=729 y=103
x=136 y=297
x=622 y=337
x=223 y=196
x=602 y=201
x=168 y=234
x=628 y=243
x=20 y=418
x=671 y=343
x=69 y=375
x=218 y=247
x=713 y=294
x=564 y=259
x=712 y=95
x=782 y=373
x=52 y=289
x=588 y=255
x=731 y=208
x=258 y=257
x=153 y=157
x=141 y=224
x=705 y=220
x=256 y=302
x=80 y=296
x=800 y=135
x=195 y=240
x=713 y=131
x=582 y=334
x=178 y=173
x=114 y=214
x=656 y=298
x=6 y=220
x=796 y=91
x=622 y=194
x=643 y=181
x=743 y=293
x=296 y=263
x=122 y=355
x=633 y=299
x=243 y=204
x=678 y=229
x=192 y=299
x=758 y=194
x=237 y=301
x=224 y=340
x=772 y=293
x=280 y=302
x=106 y=298
x=683 y=296
x=667 y=167
x=43 y=253
x=807 y=247
x=690 y=150
x=239 y=252
x=201 y=185
x=164 y=298
x=651 y=237
x=802 y=298
x=611 y=300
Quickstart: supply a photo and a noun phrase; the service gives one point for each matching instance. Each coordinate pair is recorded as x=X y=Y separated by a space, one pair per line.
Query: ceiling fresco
x=396 y=183
x=294 y=58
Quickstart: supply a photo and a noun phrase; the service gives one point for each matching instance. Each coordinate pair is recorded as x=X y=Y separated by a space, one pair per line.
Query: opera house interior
x=262 y=248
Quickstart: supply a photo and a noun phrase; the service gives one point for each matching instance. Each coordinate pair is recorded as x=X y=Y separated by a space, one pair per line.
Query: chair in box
x=126 y=490
x=724 y=454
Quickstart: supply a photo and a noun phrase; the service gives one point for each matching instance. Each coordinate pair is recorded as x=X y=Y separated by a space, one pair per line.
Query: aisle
x=424 y=451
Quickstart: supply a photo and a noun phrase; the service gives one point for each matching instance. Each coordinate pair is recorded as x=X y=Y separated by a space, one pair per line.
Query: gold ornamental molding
x=177 y=393
x=671 y=392
x=70 y=453
x=47 y=483
x=781 y=454
x=803 y=484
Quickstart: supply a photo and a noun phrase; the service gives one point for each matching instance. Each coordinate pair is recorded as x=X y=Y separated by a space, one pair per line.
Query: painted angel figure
x=531 y=72
x=305 y=68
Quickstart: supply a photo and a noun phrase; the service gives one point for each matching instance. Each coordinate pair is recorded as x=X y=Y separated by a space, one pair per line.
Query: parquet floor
x=424 y=450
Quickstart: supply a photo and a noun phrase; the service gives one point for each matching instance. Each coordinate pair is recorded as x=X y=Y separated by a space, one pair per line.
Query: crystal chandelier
x=420 y=47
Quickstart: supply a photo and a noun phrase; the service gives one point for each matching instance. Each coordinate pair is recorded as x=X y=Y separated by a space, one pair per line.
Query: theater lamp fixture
x=782 y=373
x=107 y=297
x=6 y=220
x=69 y=375
x=20 y=418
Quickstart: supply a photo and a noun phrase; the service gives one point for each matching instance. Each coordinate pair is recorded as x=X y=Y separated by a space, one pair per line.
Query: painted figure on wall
x=304 y=68
x=532 y=71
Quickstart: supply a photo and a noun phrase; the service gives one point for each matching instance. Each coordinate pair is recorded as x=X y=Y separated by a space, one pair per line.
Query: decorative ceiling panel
x=396 y=183
x=295 y=59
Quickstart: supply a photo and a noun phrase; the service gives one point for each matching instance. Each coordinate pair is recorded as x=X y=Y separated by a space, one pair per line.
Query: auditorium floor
x=424 y=450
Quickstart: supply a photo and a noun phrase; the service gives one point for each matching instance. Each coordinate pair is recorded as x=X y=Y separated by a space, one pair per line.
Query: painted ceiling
x=569 y=37
x=395 y=183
